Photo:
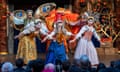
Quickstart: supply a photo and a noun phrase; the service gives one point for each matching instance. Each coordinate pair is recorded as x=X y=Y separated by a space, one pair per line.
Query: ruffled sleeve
x=96 y=35
x=83 y=29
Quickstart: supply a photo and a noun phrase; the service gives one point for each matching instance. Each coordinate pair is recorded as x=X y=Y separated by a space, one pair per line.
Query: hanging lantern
x=99 y=0
x=104 y=3
x=3 y=6
x=3 y=17
x=82 y=1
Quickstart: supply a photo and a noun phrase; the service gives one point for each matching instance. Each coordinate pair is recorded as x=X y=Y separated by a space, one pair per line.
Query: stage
x=105 y=56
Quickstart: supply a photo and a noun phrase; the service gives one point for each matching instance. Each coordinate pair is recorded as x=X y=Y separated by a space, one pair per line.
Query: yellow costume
x=27 y=48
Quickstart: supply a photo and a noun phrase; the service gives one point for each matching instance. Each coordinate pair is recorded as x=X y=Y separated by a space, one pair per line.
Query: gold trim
x=3 y=53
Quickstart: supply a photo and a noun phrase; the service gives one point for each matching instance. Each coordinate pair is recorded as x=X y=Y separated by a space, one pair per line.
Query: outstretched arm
x=96 y=35
x=24 y=32
x=98 y=38
x=50 y=36
x=68 y=33
x=83 y=29
x=74 y=23
x=19 y=35
x=44 y=30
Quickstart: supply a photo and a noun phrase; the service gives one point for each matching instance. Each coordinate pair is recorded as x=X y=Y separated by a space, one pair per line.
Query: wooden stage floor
x=106 y=59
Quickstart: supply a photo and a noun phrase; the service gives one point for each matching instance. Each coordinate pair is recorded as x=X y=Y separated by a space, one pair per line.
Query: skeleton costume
x=85 y=45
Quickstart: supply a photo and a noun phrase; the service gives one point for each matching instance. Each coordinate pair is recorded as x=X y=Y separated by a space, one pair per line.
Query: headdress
x=61 y=10
x=58 y=19
x=91 y=19
x=37 y=21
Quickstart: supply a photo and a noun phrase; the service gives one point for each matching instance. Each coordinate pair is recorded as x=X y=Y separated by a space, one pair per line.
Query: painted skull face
x=90 y=20
x=38 y=25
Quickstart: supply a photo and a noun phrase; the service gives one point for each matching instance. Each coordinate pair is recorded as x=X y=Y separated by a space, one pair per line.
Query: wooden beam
x=3 y=28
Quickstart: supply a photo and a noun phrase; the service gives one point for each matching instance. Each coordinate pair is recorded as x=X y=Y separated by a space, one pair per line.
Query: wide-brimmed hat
x=18 y=19
x=44 y=9
x=20 y=14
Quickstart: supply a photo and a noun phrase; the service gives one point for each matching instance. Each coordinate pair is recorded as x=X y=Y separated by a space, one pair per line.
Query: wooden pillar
x=3 y=28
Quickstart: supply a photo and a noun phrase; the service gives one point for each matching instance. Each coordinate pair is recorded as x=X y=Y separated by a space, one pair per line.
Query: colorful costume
x=67 y=16
x=85 y=45
x=56 y=50
x=18 y=20
x=27 y=48
x=27 y=45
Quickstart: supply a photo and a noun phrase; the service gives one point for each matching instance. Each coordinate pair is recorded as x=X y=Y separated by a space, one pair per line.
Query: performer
x=17 y=17
x=56 y=49
x=27 y=46
x=29 y=21
x=22 y=20
x=85 y=45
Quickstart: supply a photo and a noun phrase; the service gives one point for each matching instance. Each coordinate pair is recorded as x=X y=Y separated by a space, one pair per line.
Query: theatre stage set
x=108 y=28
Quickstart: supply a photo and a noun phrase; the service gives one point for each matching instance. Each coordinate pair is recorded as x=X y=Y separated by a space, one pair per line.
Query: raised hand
x=71 y=41
x=17 y=36
x=44 y=39
x=11 y=14
x=102 y=43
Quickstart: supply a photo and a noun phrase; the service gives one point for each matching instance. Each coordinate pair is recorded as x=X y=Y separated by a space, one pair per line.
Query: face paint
x=90 y=21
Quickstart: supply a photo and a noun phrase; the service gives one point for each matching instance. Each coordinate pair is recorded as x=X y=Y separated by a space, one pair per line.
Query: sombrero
x=44 y=9
x=19 y=15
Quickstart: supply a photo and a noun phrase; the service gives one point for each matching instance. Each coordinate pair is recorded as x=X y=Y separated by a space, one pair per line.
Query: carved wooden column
x=3 y=28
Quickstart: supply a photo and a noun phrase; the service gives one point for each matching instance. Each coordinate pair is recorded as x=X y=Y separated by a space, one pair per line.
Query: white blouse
x=87 y=28
x=43 y=29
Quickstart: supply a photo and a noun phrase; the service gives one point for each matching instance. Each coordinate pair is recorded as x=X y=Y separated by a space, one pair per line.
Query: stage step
x=106 y=51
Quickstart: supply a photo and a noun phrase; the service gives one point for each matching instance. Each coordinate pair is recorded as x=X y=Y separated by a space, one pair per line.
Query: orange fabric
x=50 y=21
x=71 y=17
x=106 y=39
x=48 y=44
x=66 y=45
x=75 y=29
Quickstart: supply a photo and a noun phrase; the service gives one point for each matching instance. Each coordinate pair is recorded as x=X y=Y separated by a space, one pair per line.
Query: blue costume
x=56 y=51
